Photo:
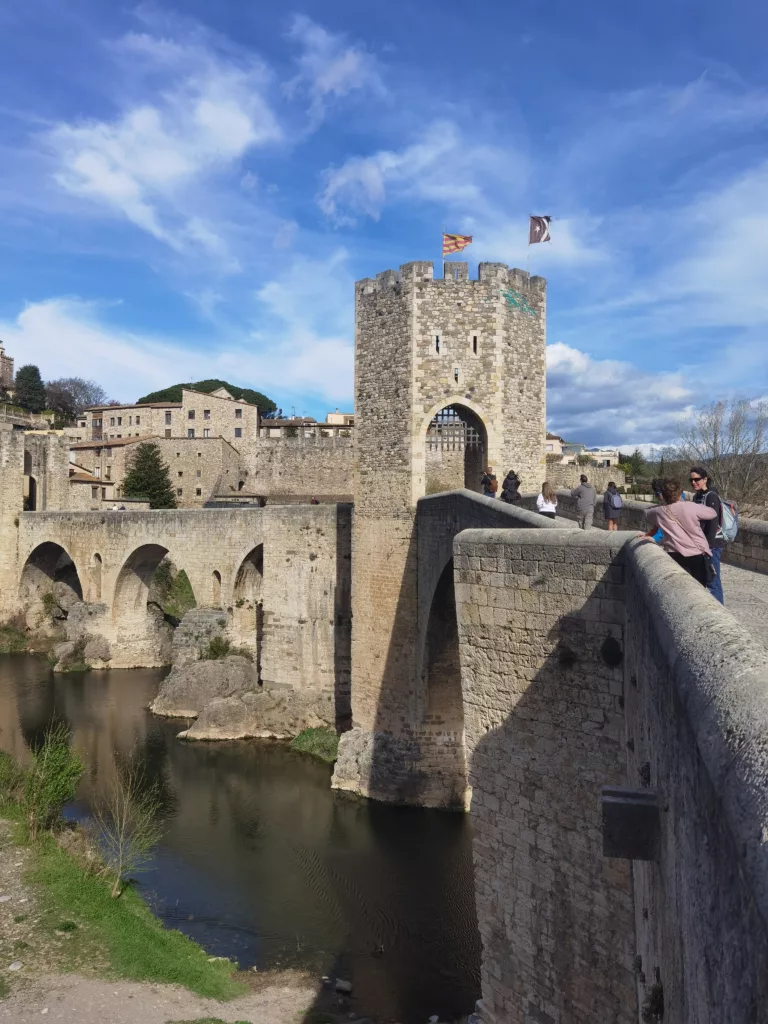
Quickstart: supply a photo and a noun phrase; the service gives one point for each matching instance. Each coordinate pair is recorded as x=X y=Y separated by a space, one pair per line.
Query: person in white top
x=546 y=503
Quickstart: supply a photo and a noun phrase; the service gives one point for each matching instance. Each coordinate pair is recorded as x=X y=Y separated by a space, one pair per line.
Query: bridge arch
x=441 y=703
x=247 y=603
x=47 y=565
x=454 y=447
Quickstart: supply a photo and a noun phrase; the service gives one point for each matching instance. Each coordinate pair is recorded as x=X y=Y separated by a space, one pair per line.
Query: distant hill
x=173 y=394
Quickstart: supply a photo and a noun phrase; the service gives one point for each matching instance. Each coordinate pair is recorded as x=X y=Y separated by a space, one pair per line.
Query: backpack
x=494 y=485
x=729 y=520
x=616 y=501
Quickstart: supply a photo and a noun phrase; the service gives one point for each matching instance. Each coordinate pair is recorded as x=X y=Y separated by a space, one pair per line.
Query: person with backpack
x=612 y=505
x=510 y=489
x=489 y=483
x=546 y=503
x=714 y=529
x=681 y=524
x=585 y=495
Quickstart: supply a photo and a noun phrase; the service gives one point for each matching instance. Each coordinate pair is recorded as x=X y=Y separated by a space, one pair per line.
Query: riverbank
x=69 y=951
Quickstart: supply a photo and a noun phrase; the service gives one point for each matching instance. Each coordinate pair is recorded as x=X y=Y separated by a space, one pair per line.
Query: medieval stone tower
x=449 y=377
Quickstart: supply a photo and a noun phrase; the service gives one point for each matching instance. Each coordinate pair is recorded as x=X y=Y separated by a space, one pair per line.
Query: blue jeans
x=716 y=586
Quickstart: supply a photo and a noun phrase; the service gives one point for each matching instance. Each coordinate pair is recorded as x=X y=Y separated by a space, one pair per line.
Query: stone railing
x=592 y=660
x=749 y=550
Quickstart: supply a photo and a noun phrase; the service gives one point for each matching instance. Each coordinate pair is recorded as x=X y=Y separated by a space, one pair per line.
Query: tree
x=173 y=394
x=634 y=464
x=149 y=478
x=28 y=389
x=69 y=396
x=730 y=439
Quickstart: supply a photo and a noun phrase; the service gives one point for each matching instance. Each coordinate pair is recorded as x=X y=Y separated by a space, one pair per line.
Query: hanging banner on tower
x=455 y=243
x=539 y=230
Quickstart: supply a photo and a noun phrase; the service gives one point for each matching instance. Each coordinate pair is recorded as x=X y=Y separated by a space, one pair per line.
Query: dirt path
x=30 y=953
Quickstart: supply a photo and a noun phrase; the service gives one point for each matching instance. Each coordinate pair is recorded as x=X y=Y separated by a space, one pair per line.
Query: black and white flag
x=539 y=230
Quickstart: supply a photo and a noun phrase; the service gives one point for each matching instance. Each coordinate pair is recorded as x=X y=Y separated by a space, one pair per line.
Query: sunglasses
x=696 y=479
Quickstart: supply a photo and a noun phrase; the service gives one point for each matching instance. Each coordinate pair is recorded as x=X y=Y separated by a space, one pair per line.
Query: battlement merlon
x=456 y=273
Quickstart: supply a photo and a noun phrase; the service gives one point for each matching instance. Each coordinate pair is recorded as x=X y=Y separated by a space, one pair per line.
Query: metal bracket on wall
x=631 y=823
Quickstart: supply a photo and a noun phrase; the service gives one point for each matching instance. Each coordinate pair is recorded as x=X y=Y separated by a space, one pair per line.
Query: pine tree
x=28 y=389
x=149 y=478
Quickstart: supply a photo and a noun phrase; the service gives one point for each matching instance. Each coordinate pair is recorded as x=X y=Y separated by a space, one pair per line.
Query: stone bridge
x=281 y=574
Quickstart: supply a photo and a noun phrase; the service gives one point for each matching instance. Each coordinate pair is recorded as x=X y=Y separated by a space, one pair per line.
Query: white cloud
x=612 y=402
x=143 y=164
x=329 y=67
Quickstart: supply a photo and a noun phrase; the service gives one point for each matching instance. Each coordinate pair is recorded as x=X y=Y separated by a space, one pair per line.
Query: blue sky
x=191 y=191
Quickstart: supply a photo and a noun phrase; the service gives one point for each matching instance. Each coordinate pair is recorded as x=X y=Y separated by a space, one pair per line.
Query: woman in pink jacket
x=680 y=524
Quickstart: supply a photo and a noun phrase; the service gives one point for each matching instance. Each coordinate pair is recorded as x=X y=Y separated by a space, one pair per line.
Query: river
x=264 y=863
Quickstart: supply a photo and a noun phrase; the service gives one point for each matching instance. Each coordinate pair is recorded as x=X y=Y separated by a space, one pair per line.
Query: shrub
x=322 y=743
x=216 y=648
x=128 y=823
x=51 y=780
x=12 y=640
x=11 y=779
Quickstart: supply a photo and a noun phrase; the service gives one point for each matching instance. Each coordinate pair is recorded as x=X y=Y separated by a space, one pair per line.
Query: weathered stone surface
x=279 y=712
x=96 y=650
x=198 y=627
x=191 y=686
x=63 y=652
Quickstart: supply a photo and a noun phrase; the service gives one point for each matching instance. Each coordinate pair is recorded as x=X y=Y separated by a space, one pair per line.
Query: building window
x=130 y=421
x=456 y=374
x=167 y=433
x=94 y=492
x=103 y=493
x=474 y=343
x=97 y=471
x=138 y=421
x=191 y=414
x=199 y=473
x=206 y=414
x=199 y=455
x=82 y=423
x=206 y=431
x=238 y=431
x=107 y=451
x=198 y=491
x=118 y=435
x=119 y=421
x=437 y=344
x=167 y=417
x=191 y=432
x=178 y=455
x=550 y=448
x=179 y=492
x=111 y=421
x=108 y=473
x=238 y=414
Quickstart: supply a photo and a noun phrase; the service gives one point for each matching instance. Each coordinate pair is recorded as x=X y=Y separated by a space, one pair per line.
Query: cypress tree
x=29 y=390
x=149 y=478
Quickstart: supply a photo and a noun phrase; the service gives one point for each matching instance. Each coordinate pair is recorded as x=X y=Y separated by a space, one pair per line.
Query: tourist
x=510 y=489
x=703 y=494
x=681 y=524
x=489 y=483
x=546 y=503
x=612 y=505
x=314 y=501
x=585 y=495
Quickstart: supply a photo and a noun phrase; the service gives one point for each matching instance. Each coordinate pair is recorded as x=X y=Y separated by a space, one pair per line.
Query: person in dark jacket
x=585 y=496
x=489 y=483
x=510 y=489
x=703 y=494
x=611 y=507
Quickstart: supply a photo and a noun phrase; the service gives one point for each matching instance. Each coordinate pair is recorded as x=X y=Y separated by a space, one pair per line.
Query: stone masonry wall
x=541 y=623
x=697 y=719
x=298 y=466
x=568 y=476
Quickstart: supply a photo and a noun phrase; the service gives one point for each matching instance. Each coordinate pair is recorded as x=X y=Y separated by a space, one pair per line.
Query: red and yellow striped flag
x=455 y=243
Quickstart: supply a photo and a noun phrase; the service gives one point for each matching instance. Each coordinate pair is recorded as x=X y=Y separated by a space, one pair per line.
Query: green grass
x=322 y=743
x=216 y=648
x=12 y=640
x=5 y=988
x=122 y=932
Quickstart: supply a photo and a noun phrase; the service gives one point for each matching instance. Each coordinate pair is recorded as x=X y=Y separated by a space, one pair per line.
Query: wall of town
x=298 y=466
x=540 y=614
x=199 y=468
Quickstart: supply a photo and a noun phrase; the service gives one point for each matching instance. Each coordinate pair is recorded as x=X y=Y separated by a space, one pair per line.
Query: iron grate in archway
x=449 y=430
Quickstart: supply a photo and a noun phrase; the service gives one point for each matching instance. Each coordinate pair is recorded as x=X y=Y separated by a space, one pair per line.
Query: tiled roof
x=113 y=442
x=136 y=405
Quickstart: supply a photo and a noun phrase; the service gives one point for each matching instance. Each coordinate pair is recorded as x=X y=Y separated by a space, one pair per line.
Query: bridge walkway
x=746 y=595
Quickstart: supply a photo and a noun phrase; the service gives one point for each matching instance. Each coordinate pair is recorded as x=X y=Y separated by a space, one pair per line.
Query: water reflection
x=262 y=861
